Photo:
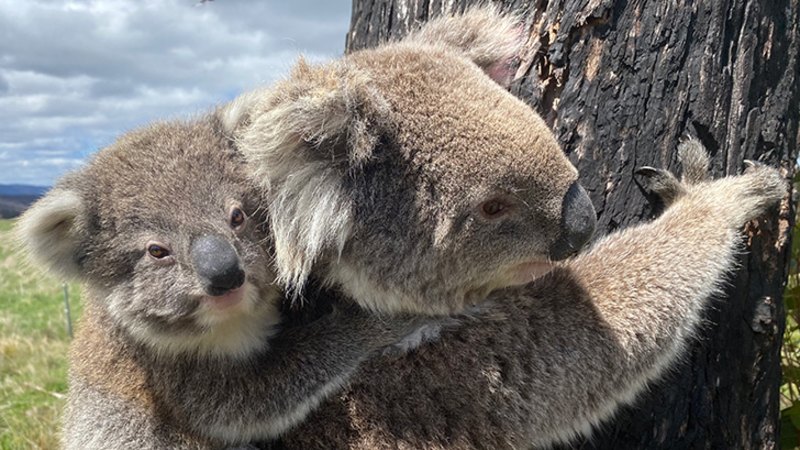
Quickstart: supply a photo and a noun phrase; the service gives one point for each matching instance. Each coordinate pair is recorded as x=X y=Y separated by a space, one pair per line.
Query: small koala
x=180 y=344
x=547 y=362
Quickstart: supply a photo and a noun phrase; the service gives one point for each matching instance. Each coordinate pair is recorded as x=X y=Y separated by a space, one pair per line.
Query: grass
x=33 y=350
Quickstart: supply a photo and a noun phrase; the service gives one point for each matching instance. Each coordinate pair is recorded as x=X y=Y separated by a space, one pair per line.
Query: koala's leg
x=547 y=361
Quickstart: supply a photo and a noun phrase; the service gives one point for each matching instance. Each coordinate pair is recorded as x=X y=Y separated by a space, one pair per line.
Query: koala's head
x=163 y=229
x=408 y=175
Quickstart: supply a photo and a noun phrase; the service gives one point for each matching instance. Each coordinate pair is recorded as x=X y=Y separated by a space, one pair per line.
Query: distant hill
x=15 y=198
x=15 y=190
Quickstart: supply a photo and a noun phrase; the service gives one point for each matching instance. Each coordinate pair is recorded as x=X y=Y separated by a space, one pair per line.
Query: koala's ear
x=491 y=39
x=302 y=141
x=329 y=112
x=52 y=231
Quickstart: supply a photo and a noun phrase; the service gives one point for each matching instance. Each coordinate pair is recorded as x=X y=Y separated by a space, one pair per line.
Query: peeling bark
x=620 y=82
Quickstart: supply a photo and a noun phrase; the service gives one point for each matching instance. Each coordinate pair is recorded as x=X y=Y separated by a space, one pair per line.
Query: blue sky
x=76 y=74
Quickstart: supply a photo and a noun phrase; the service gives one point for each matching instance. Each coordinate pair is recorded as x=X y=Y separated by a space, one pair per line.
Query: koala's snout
x=578 y=221
x=217 y=264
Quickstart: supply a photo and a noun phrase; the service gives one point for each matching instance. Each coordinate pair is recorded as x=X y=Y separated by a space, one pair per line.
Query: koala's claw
x=648 y=171
x=694 y=160
x=750 y=165
x=660 y=182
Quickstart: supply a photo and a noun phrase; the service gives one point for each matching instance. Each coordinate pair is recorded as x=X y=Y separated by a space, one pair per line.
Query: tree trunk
x=620 y=82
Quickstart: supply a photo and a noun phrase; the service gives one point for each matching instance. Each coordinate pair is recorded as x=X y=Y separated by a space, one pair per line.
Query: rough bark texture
x=620 y=82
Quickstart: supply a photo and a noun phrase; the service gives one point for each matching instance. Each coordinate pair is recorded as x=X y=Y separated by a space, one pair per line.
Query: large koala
x=414 y=182
x=166 y=234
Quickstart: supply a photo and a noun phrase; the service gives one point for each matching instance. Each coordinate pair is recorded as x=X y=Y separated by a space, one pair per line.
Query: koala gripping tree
x=620 y=83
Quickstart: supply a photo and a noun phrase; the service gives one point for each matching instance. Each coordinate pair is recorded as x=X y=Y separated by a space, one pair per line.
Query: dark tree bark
x=620 y=82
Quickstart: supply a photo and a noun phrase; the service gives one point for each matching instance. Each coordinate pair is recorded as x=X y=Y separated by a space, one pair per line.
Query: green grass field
x=33 y=350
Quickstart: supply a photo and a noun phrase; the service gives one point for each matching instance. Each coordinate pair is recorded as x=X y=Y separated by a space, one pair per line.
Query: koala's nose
x=578 y=221
x=217 y=264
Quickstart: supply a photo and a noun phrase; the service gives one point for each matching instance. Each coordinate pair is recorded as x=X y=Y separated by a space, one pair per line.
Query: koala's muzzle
x=217 y=264
x=578 y=221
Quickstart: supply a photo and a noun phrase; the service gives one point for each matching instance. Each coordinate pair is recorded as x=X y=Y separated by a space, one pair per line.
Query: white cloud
x=73 y=75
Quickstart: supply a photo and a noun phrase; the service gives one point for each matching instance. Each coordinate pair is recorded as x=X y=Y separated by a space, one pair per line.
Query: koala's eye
x=494 y=208
x=157 y=251
x=237 y=217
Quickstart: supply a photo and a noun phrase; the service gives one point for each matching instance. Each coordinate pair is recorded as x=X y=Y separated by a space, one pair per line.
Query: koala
x=412 y=181
x=546 y=362
x=181 y=343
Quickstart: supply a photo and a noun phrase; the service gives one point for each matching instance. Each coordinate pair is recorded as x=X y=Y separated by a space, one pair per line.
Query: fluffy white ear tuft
x=302 y=140
x=491 y=39
x=310 y=216
x=49 y=232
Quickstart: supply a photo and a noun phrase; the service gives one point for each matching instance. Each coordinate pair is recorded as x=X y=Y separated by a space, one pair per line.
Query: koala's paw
x=427 y=329
x=756 y=190
x=694 y=161
x=660 y=182
x=425 y=333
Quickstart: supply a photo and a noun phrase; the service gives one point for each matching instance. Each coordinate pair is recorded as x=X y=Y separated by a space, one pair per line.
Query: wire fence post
x=67 y=311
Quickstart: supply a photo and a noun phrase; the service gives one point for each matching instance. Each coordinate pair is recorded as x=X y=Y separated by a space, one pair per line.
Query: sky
x=74 y=75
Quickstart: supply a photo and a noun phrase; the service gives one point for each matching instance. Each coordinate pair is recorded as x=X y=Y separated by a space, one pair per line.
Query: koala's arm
x=96 y=419
x=121 y=395
x=110 y=401
x=260 y=397
x=548 y=361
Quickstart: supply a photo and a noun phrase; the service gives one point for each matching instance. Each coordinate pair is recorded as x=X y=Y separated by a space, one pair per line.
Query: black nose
x=217 y=264
x=578 y=221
